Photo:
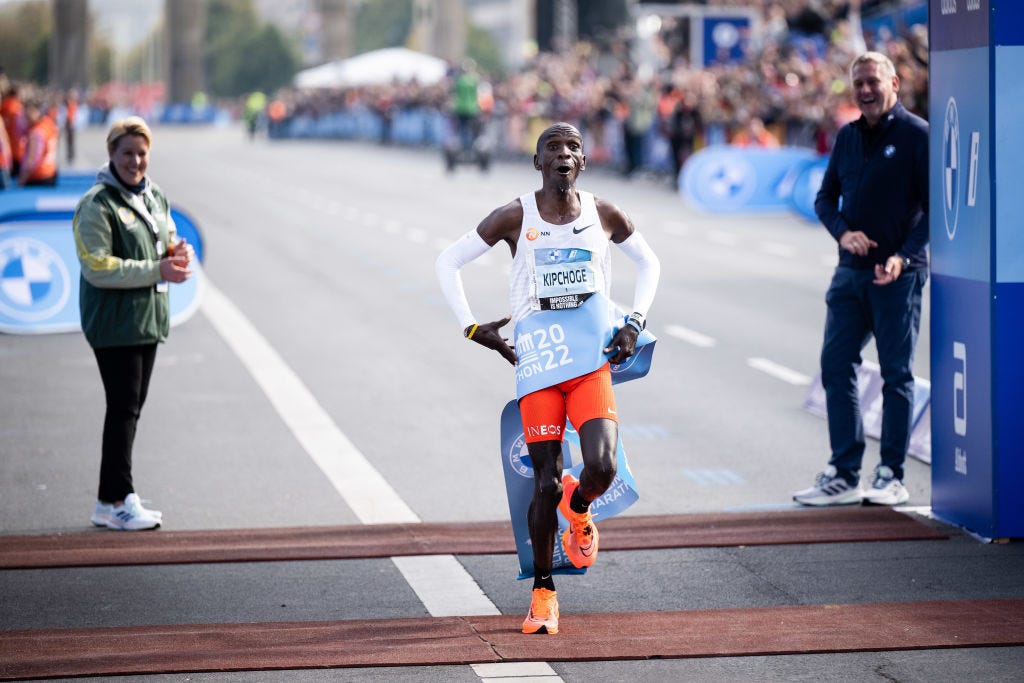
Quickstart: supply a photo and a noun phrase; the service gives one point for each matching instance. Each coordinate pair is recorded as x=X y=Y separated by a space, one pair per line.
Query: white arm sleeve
x=467 y=248
x=648 y=271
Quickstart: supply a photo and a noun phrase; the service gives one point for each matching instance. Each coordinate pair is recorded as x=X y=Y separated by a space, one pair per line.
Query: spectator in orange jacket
x=39 y=164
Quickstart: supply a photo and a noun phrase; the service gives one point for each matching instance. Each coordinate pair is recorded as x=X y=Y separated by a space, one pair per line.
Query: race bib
x=563 y=278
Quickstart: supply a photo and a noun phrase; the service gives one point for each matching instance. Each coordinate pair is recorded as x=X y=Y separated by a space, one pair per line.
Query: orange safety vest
x=6 y=152
x=41 y=150
x=11 y=112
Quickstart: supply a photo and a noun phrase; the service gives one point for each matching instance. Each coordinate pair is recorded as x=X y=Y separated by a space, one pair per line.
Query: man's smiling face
x=875 y=90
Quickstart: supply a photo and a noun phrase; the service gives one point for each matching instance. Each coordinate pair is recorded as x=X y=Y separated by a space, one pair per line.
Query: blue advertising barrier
x=34 y=203
x=39 y=268
x=977 y=291
x=725 y=179
x=805 y=187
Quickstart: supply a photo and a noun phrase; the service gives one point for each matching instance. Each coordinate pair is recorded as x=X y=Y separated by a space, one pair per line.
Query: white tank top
x=558 y=266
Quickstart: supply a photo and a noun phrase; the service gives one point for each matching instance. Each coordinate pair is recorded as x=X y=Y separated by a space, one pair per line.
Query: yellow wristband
x=472 y=331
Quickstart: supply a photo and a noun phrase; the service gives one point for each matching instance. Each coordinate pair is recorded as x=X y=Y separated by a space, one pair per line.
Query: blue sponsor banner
x=45 y=203
x=1009 y=399
x=726 y=38
x=725 y=179
x=959 y=24
x=1008 y=22
x=960 y=158
x=518 y=471
x=806 y=186
x=39 y=279
x=963 y=476
x=1009 y=136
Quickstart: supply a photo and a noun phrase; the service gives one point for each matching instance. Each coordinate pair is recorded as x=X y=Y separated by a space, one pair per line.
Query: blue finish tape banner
x=724 y=179
x=39 y=280
x=556 y=346
x=518 y=470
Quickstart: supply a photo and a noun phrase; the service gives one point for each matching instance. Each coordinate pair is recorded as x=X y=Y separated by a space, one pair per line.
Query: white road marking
x=516 y=672
x=690 y=336
x=779 y=371
x=778 y=249
x=441 y=582
x=726 y=239
x=714 y=477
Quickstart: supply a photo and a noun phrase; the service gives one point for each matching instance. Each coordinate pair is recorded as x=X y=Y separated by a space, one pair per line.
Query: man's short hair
x=561 y=126
x=885 y=65
x=133 y=125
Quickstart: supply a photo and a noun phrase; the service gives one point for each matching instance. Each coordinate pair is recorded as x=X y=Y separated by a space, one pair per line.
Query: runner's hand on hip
x=488 y=335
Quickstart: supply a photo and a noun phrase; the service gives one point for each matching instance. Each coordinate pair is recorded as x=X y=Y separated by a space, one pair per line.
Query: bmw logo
x=951 y=168
x=732 y=180
x=34 y=282
x=519 y=458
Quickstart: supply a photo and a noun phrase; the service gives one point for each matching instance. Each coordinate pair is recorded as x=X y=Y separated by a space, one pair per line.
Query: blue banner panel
x=958 y=24
x=1010 y=412
x=518 y=470
x=1008 y=22
x=1009 y=139
x=806 y=186
x=39 y=280
x=963 y=473
x=46 y=203
x=726 y=39
x=724 y=179
x=960 y=194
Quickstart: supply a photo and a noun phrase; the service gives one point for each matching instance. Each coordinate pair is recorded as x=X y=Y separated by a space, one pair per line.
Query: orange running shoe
x=543 y=615
x=580 y=539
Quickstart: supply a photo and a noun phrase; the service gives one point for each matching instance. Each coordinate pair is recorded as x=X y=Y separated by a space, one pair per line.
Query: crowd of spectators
x=640 y=102
x=791 y=87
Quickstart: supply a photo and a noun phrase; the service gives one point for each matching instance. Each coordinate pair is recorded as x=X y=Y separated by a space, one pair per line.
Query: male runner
x=559 y=292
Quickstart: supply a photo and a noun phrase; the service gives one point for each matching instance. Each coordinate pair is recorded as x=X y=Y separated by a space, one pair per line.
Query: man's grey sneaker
x=886 y=489
x=104 y=511
x=829 y=489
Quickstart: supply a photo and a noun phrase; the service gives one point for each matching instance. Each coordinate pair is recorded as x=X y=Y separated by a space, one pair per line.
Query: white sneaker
x=130 y=516
x=829 y=489
x=138 y=502
x=104 y=511
x=886 y=489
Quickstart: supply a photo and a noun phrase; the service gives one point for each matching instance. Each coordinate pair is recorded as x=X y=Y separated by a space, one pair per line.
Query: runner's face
x=561 y=156
x=131 y=158
x=875 y=92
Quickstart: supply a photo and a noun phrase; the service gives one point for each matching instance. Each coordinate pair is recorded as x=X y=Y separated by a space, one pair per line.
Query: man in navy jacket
x=874 y=201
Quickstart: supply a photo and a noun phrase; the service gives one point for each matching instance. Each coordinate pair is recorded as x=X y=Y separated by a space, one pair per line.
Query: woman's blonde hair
x=133 y=125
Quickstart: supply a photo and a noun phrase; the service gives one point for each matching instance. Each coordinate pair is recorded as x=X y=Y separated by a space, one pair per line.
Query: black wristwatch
x=905 y=260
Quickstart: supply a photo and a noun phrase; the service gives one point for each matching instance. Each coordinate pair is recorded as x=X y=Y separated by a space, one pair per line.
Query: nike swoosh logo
x=577 y=231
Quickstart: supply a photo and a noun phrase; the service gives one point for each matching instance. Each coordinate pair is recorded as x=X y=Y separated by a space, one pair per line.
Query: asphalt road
x=323 y=254
x=328 y=249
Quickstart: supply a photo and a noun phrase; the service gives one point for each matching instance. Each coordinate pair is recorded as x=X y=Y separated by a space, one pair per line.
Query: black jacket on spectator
x=877 y=182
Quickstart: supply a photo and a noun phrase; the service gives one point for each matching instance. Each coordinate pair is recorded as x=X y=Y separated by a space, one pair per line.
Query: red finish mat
x=461 y=640
x=108 y=548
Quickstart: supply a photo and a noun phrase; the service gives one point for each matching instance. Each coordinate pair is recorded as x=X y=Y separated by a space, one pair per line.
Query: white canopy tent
x=373 y=68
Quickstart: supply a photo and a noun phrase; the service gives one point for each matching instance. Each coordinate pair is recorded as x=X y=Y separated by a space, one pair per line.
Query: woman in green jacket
x=129 y=252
